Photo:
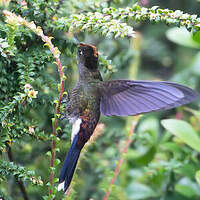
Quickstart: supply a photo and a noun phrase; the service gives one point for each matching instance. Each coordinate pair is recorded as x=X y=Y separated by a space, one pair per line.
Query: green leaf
x=171 y=146
x=45 y=197
x=196 y=37
x=55 y=180
x=182 y=37
x=185 y=191
x=48 y=153
x=57 y=162
x=184 y=131
x=187 y=188
x=197 y=177
x=140 y=191
x=187 y=169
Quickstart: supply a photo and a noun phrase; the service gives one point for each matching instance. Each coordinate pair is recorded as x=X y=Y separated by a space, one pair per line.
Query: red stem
x=53 y=144
x=128 y=142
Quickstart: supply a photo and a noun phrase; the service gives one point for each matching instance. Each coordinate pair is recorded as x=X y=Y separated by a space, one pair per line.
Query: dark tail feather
x=69 y=166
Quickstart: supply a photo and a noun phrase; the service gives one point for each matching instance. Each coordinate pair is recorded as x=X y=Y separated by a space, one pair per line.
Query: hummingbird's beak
x=77 y=40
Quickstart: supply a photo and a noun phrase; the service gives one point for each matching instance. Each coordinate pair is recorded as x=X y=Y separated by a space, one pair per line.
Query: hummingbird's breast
x=84 y=97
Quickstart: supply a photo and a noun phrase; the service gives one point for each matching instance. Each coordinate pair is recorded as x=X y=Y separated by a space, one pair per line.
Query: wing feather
x=122 y=97
x=138 y=102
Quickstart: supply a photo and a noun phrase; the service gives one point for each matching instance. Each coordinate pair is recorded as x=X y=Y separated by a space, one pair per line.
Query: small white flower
x=27 y=86
x=185 y=16
x=32 y=94
x=153 y=16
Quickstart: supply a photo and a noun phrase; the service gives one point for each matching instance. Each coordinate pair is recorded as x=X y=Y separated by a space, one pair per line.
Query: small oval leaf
x=182 y=37
x=184 y=131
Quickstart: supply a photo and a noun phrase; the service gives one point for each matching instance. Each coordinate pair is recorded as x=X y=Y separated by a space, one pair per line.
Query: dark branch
x=20 y=183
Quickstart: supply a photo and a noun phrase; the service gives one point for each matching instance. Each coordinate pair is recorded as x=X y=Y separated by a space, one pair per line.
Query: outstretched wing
x=124 y=97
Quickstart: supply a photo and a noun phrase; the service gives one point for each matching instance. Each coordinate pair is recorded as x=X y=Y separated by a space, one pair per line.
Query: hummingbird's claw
x=65 y=99
x=77 y=40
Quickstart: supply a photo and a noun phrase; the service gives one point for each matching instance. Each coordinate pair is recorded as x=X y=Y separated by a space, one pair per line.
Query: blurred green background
x=158 y=165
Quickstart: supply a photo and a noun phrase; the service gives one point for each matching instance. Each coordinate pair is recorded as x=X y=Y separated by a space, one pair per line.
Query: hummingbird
x=92 y=96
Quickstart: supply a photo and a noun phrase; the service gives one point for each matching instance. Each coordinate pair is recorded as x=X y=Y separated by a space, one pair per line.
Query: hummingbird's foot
x=63 y=115
x=65 y=99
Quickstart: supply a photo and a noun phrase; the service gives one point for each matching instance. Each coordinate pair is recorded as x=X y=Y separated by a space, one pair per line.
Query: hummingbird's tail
x=69 y=166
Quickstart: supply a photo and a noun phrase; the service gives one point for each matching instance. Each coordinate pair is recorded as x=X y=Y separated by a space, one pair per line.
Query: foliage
x=184 y=131
x=35 y=38
x=9 y=168
x=112 y=20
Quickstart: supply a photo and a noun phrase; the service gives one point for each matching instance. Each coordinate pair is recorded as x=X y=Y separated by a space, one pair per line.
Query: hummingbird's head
x=88 y=55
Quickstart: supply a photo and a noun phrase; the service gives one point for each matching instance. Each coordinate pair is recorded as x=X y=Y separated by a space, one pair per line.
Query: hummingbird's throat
x=95 y=51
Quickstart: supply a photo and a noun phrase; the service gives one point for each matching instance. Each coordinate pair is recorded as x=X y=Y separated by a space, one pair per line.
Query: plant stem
x=19 y=182
x=53 y=144
x=128 y=142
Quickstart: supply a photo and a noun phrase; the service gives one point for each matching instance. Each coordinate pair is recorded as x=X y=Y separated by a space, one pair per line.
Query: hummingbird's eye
x=80 y=52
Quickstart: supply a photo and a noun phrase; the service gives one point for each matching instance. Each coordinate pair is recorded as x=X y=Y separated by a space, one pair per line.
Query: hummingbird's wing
x=124 y=97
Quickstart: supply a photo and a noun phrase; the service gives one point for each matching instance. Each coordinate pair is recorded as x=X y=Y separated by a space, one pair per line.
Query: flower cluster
x=113 y=21
x=98 y=22
x=15 y=20
x=154 y=14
